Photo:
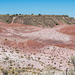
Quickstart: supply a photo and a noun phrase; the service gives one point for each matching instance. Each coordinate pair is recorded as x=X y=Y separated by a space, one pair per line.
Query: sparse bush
x=39 y=14
x=71 y=72
x=2 y=68
x=57 y=24
x=7 y=58
x=5 y=72
x=7 y=14
x=32 y=14
x=16 y=14
x=73 y=61
x=19 y=14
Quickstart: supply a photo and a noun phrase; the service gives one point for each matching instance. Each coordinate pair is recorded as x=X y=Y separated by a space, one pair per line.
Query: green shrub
x=32 y=14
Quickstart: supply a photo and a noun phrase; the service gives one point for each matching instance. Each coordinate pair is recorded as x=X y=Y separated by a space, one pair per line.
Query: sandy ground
x=36 y=46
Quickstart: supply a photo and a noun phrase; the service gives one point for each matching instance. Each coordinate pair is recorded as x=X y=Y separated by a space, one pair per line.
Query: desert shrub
x=2 y=68
x=5 y=72
x=57 y=24
x=7 y=58
x=20 y=14
x=71 y=72
x=7 y=14
x=73 y=61
x=39 y=14
x=32 y=14
x=16 y=14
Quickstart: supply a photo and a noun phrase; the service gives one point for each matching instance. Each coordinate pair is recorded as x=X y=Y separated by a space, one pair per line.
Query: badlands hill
x=29 y=48
x=37 y=20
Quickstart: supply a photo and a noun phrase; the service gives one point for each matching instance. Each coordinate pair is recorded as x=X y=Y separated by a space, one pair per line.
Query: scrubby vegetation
x=27 y=71
x=73 y=61
x=33 y=71
x=32 y=50
x=43 y=20
x=72 y=71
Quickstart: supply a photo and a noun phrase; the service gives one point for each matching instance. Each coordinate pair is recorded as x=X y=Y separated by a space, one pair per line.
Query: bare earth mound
x=70 y=30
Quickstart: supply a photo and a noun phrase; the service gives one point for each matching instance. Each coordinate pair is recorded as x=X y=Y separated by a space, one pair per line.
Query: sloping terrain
x=29 y=44
x=30 y=47
x=38 y=20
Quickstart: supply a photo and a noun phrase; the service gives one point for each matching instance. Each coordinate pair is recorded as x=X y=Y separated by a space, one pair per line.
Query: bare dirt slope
x=38 y=20
x=37 y=47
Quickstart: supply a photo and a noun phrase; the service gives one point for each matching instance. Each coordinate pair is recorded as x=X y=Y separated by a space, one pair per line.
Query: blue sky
x=48 y=7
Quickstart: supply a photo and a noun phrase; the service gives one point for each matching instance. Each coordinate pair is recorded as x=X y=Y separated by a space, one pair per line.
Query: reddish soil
x=29 y=45
x=0 y=31
x=70 y=30
x=57 y=43
x=34 y=44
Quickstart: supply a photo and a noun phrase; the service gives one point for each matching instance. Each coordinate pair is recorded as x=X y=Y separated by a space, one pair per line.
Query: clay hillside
x=37 y=44
x=37 y=20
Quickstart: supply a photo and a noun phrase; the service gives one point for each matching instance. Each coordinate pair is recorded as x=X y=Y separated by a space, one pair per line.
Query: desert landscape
x=36 y=44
